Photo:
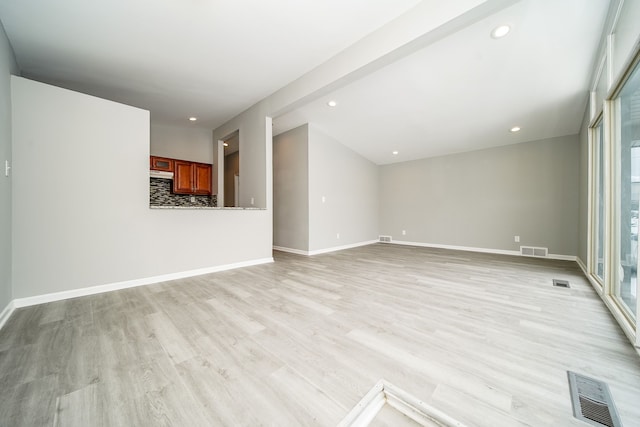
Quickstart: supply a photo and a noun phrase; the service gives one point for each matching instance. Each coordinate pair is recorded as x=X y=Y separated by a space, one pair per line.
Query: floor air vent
x=592 y=402
x=384 y=239
x=533 y=251
x=561 y=283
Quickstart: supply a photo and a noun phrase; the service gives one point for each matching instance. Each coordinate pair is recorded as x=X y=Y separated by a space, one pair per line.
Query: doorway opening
x=231 y=167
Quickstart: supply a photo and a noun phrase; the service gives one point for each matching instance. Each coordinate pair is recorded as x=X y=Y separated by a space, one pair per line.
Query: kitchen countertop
x=208 y=208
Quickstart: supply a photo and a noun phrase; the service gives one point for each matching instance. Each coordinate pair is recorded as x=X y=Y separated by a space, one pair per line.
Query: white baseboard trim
x=482 y=250
x=343 y=247
x=563 y=257
x=290 y=250
x=74 y=293
x=617 y=314
x=456 y=248
x=325 y=250
x=595 y=285
x=582 y=266
x=6 y=313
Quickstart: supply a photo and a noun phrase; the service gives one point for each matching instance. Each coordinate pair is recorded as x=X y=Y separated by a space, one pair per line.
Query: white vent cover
x=592 y=401
x=384 y=239
x=533 y=251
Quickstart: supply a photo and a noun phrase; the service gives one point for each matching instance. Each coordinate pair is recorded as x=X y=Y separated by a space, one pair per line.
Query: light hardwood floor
x=484 y=338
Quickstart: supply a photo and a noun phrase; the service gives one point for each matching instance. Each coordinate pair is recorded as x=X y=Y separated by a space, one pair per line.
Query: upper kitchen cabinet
x=202 y=177
x=162 y=164
x=192 y=178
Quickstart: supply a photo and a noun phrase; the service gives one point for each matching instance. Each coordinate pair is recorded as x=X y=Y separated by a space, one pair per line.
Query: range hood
x=160 y=174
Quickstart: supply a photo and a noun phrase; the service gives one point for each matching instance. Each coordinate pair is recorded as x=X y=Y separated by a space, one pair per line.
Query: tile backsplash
x=161 y=195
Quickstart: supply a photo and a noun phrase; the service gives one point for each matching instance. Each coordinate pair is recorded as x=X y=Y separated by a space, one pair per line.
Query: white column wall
x=8 y=66
x=349 y=185
x=80 y=201
x=291 y=189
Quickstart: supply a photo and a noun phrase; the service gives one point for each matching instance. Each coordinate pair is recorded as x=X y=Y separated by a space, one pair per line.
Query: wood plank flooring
x=484 y=338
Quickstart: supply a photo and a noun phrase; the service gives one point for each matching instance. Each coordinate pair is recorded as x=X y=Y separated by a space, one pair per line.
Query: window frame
x=608 y=113
x=594 y=173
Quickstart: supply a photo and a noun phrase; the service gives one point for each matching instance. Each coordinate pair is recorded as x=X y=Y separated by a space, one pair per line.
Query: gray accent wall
x=482 y=199
x=291 y=189
x=81 y=213
x=8 y=66
x=349 y=184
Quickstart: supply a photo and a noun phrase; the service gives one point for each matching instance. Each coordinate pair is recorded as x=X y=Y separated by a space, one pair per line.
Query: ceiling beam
x=418 y=28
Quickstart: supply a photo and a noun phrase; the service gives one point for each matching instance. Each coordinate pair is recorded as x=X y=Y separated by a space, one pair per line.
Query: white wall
x=482 y=199
x=8 y=66
x=291 y=189
x=256 y=150
x=349 y=184
x=80 y=200
x=182 y=142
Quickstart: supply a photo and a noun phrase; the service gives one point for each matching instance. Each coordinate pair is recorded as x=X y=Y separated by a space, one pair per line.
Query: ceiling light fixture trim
x=500 y=31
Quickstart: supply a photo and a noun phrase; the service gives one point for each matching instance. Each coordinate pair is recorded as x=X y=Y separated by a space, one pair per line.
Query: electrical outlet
x=324 y=199
x=337 y=235
x=516 y=239
x=252 y=201
x=404 y=232
x=193 y=199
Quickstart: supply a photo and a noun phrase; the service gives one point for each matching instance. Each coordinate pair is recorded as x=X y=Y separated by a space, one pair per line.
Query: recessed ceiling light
x=395 y=153
x=226 y=144
x=515 y=129
x=332 y=103
x=193 y=119
x=500 y=31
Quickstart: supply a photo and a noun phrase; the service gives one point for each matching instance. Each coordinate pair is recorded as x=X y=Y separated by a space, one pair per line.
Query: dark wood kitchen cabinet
x=202 y=176
x=191 y=178
x=161 y=164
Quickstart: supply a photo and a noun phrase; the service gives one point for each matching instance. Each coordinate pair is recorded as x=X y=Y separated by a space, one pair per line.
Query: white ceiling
x=178 y=58
x=467 y=90
x=215 y=58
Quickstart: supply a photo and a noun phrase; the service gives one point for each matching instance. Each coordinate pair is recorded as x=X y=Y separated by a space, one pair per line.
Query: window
x=627 y=167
